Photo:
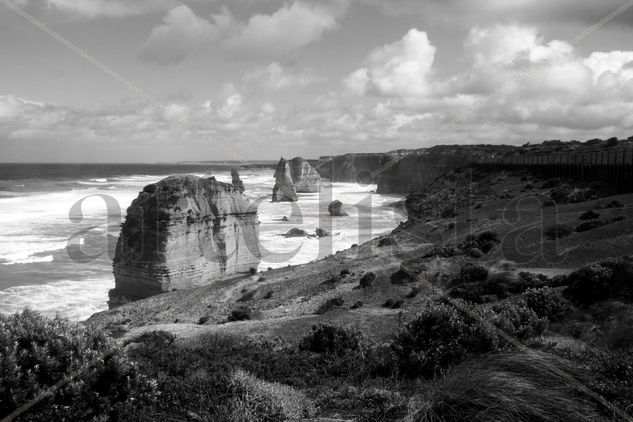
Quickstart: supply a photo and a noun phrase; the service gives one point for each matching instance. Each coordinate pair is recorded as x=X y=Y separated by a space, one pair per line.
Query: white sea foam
x=74 y=299
x=36 y=229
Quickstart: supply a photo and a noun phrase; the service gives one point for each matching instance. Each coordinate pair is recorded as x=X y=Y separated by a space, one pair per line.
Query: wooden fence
x=608 y=165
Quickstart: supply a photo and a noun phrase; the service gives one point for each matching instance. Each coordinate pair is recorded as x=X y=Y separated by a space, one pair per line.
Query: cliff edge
x=180 y=232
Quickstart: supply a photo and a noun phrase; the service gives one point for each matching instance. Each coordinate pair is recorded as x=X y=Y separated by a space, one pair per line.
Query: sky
x=206 y=80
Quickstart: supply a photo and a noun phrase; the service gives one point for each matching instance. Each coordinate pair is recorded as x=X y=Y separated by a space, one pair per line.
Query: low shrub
x=440 y=336
x=247 y=296
x=268 y=295
x=505 y=387
x=413 y=293
x=203 y=320
x=393 y=304
x=476 y=253
x=330 y=304
x=590 y=225
x=91 y=377
x=615 y=204
x=517 y=320
x=333 y=339
x=590 y=215
x=547 y=303
x=241 y=314
x=401 y=277
x=367 y=280
x=558 y=231
x=471 y=273
x=609 y=278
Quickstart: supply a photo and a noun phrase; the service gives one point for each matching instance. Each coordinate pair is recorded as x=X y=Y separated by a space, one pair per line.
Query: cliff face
x=415 y=170
x=355 y=168
x=181 y=232
x=284 y=190
x=304 y=177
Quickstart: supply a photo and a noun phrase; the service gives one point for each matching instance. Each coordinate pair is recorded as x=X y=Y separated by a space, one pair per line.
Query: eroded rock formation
x=180 y=232
x=236 y=181
x=284 y=190
x=336 y=209
x=304 y=177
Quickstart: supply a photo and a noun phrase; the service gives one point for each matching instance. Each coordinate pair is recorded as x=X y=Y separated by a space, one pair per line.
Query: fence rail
x=608 y=165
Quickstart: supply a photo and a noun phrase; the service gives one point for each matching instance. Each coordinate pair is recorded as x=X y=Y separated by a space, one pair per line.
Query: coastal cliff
x=180 y=232
x=356 y=168
x=284 y=190
x=304 y=177
x=418 y=168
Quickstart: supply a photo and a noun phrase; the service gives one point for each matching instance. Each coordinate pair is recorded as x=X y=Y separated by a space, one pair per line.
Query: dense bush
x=330 y=304
x=517 y=320
x=92 y=377
x=448 y=212
x=610 y=278
x=367 y=280
x=589 y=215
x=590 y=225
x=393 y=304
x=547 y=303
x=498 y=282
x=558 y=231
x=441 y=336
x=552 y=183
x=401 y=277
x=471 y=273
x=241 y=314
x=333 y=339
x=505 y=387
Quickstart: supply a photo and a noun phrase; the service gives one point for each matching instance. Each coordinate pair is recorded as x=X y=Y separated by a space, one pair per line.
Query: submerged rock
x=322 y=233
x=304 y=177
x=180 y=232
x=284 y=190
x=336 y=209
x=236 y=181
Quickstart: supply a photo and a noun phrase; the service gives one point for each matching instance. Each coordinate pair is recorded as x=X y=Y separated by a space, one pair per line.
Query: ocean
x=59 y=224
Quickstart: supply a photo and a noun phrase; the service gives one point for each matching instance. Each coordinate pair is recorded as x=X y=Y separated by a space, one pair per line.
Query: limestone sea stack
x=304 y=177
x=181 y=232
x=284 y=190
x=236 y=181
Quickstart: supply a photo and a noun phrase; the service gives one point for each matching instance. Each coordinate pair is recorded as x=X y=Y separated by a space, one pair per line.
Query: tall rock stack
x=180 y=232
x=284 y=190
x=304 y=177
x=236 y=181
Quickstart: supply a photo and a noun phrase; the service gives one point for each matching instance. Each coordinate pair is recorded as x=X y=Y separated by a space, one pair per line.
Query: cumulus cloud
x=287 y=29
x=291 y=27
x=399 y=69
x=182 y=33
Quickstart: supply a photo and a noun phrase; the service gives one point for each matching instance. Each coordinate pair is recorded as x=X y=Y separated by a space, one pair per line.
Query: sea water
x=59 y=225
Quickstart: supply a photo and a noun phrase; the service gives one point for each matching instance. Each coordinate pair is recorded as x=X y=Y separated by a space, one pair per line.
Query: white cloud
x=182 y=33
x=399 y=69
x=289 y=28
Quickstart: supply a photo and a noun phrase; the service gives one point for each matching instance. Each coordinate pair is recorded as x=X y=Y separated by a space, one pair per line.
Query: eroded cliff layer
x=180 y=232
x=284 y=189
x=304 y=177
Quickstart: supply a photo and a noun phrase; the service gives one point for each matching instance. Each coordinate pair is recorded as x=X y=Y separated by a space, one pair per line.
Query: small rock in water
x=322 y=233
x=295 y=232
x=336 y=209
